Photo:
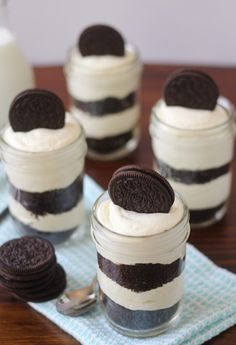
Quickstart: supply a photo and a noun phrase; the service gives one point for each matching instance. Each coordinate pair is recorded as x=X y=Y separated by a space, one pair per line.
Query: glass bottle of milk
x=15 y=72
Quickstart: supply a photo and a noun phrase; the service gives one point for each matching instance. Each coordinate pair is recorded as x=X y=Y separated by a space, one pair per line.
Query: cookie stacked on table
x=29 y=269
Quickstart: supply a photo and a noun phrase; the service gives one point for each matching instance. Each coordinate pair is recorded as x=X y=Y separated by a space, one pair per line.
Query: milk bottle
x=15 y=72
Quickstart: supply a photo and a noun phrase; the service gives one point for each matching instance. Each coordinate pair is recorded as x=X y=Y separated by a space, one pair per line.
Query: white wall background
x=166 y=31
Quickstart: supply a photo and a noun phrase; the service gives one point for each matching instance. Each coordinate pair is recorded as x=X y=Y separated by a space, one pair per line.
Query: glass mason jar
x=16 y=73
x=141 y=278
x=104 y=96
x=46 y=189
x=197 y=163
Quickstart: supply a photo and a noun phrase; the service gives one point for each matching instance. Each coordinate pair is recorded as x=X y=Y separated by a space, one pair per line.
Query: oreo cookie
x=19 y=281
x=29 y=270
x=26 y=255
x=29 y=286
x=53 y=290
x=101 y=40
x=140 y=190
x=36 y=108
x=191 y=89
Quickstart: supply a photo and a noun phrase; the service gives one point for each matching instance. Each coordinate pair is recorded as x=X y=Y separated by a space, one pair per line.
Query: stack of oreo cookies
x=29 y=269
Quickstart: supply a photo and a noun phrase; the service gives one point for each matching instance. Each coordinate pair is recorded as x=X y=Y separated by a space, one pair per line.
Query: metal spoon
x=77 y=302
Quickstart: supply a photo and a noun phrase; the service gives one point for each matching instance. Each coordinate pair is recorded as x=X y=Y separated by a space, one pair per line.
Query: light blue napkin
x=209 y=306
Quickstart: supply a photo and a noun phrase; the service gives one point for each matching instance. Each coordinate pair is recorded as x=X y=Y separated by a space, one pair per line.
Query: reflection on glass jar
x=141 y=278
x=46 y=188
x=197 y=162
x=104 y=96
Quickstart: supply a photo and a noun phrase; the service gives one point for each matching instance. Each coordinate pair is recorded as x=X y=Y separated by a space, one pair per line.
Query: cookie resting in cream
x=130 y=223
x=43 y=139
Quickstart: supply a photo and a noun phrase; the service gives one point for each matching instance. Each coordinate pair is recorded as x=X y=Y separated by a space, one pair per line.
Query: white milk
x=15 y=72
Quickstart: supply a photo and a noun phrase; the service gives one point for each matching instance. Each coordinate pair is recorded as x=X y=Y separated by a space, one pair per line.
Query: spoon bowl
x=79 y=301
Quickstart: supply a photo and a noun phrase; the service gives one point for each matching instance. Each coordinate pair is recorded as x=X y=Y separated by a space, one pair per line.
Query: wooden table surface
x=21 y=325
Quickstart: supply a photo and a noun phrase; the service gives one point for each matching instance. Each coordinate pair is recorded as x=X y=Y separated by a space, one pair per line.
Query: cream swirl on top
x=131 y=223
x=187 y=118
x=43 y=139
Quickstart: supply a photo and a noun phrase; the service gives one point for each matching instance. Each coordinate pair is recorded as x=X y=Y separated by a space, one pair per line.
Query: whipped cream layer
x=101 y=63
x=46 y=178
x=206 y=195
x=49 y=222
x=131 y=223
x=109 y=125
x=43 y=139
x=128 y=237
x=33 y=159
x=93 y=78
x=193 y=153
x=154 y=299
x=187 y=118
x=188 y=149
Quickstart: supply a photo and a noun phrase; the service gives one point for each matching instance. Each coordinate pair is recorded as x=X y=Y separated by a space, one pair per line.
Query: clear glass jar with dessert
x=141 y=260
x=193 y=146
x=44 y=163
x=103 y=77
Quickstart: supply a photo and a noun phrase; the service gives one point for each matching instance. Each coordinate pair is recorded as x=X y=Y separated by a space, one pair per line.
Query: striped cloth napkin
x=209 y=305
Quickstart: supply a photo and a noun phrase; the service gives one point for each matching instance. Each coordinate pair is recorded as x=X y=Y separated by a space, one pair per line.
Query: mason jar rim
x=229 y=119
x=12 y=150
x=72 y=49
x=185 y=217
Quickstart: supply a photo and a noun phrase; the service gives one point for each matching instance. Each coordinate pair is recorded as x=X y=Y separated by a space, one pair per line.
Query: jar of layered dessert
x=103 y=76
x=193 y=144
x=43 y=150
x=140 y=228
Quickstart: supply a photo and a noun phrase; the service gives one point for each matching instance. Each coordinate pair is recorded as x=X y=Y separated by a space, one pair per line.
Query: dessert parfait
x=193 y=141
x=43 y=150
x=140 y=228
x=103 y=76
